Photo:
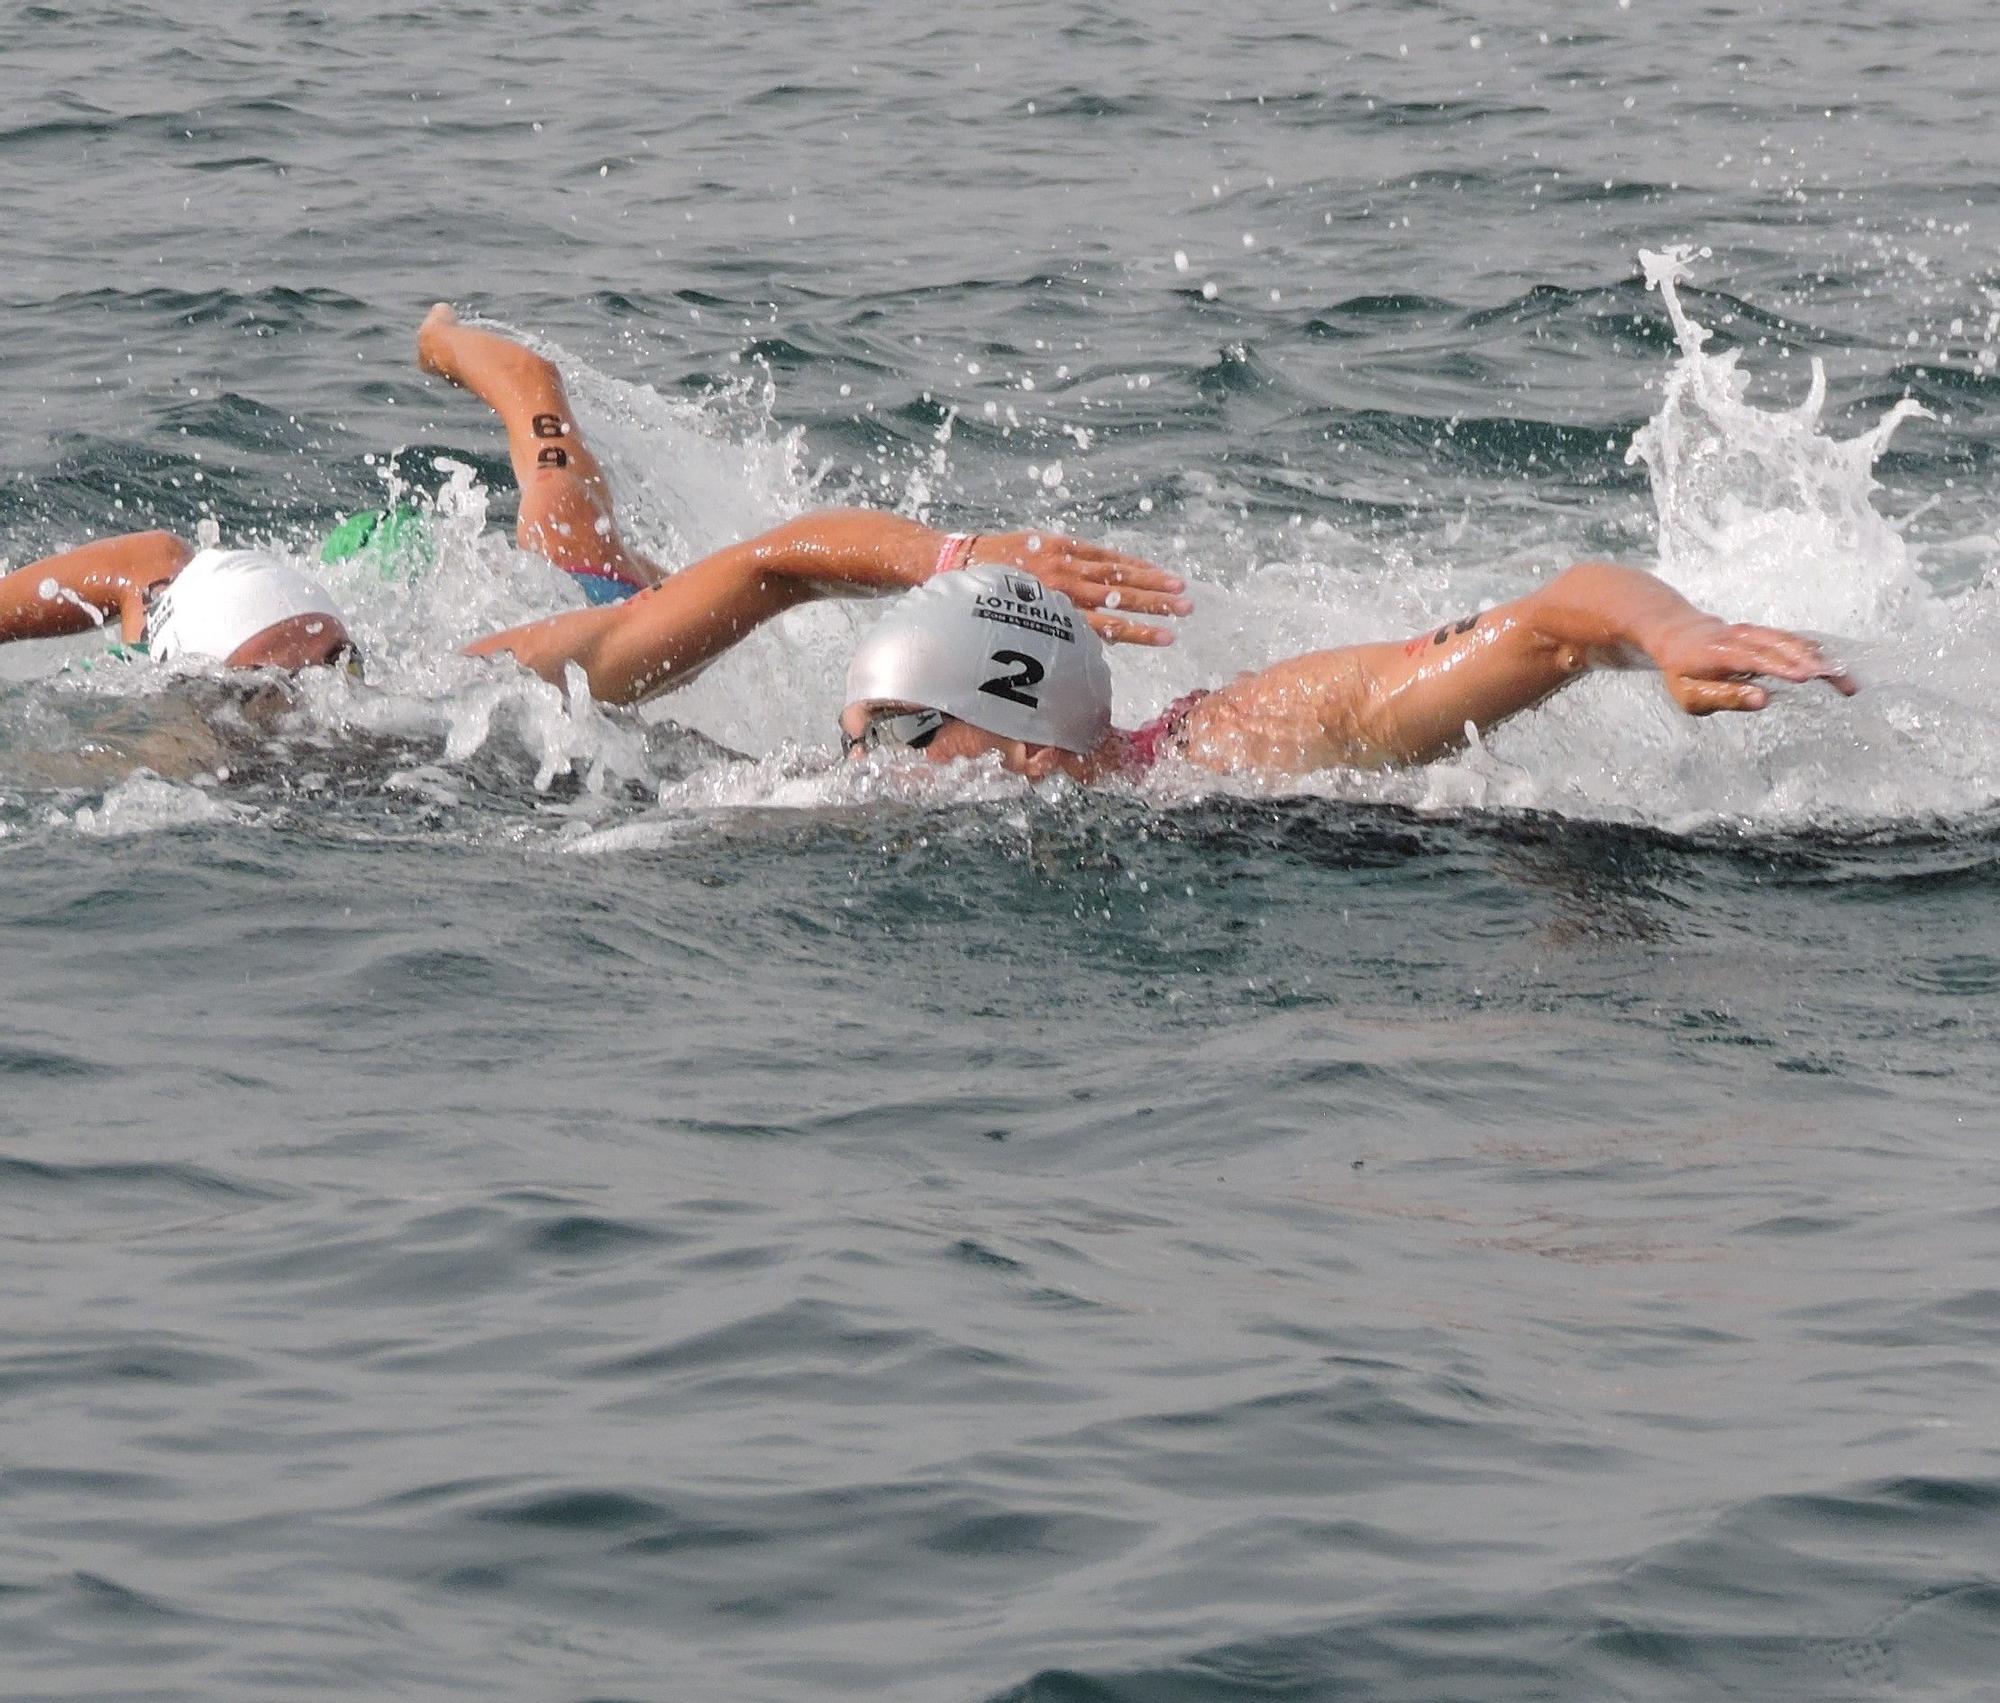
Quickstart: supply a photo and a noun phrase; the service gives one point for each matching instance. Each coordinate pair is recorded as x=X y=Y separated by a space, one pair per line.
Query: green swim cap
x=397 y=540
x=116 y=651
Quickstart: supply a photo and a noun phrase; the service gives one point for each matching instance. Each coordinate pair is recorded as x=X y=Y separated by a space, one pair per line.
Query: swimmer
x=162 y=596
x=567 y=514
x=250 y=609
x=1001 y=658
x=192 y=610
x=991 y=657
x=987 y=664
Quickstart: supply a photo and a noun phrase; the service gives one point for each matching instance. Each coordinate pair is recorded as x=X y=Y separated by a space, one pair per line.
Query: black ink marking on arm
x=1456 y=631
x=549 y=426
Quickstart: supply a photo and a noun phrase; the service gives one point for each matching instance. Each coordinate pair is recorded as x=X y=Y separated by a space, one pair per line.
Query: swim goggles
x=910 y=729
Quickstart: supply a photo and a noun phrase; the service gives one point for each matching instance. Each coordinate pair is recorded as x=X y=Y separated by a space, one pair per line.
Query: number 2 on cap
x=1014 y=687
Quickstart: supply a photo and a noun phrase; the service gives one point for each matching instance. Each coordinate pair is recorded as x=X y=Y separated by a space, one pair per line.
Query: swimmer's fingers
x=1050 y=556
x=1117 y=585
x=1786 y=656
x=1109 y=586
x=1090 y=594
x=1718 y=670
x=1119 y=630
x=1116 y=567
x=1707 y=697
x=1110 y=608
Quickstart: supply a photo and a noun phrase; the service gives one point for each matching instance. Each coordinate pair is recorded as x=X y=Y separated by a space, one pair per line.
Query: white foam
x=1760 y=508
x=689 y=474
x=145 y=804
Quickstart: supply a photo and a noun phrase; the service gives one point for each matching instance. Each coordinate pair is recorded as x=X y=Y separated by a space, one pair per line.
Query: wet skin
x=304 y=641
x=959 y=741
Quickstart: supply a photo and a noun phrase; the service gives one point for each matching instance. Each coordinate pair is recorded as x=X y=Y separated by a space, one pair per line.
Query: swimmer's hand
x=1109 y=586
x=1710 y=665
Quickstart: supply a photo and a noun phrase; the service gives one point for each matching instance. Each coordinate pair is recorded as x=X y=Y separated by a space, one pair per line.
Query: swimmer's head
x=991 y=648
x=395 y=541
x=244 y=609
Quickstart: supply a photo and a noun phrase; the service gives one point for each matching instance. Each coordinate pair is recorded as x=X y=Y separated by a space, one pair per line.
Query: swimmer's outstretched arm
x=1378 y=704
x=567 y=512
x=659 y=639
x=86 y=587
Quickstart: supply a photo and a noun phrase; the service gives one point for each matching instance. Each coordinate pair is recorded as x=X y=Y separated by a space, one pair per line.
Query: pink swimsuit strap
x=1161 y=737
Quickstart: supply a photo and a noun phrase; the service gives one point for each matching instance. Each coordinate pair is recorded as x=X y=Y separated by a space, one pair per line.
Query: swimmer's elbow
x=159 y=545
x=531 y=650
x=146 y=558
x=496 y=644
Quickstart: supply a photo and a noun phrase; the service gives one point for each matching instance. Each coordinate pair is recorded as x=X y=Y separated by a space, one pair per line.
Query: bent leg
x=567 y=512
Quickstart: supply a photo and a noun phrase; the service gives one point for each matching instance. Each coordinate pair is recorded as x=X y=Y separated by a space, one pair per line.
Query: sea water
x=505 y=1197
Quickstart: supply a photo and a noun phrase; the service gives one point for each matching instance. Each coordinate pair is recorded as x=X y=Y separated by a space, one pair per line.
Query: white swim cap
x=994 y=647
x=224 y=598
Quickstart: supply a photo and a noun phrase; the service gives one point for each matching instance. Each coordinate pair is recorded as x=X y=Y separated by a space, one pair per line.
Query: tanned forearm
x=663 y=637
x=1487 y=668
x=1373 y=704
x=1597 y=615
x=84 y=588
x=849 y=552
x=1605 y=617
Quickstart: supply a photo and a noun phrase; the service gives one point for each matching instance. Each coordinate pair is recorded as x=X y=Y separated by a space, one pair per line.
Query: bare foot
x=433 y=338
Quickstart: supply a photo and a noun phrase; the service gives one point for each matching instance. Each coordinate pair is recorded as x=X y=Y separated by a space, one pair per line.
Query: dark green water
x=505 y=1202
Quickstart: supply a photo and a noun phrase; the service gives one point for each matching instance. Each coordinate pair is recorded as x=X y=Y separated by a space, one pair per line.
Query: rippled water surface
x=512 y=1200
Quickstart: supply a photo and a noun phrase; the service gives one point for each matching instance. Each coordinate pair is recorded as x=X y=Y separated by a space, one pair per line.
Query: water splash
x=1761 y=514
x=146 y=804
x=690 y=473
x=1735 y=484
